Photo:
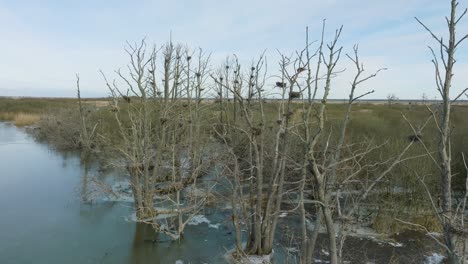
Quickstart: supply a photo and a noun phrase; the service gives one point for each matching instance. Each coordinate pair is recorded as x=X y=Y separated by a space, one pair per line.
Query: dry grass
x=7 y=116
x=98 y=103
x=20 y=119
x=23 y=119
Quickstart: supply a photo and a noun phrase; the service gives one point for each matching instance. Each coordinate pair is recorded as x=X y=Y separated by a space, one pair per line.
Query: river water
x=44 y=219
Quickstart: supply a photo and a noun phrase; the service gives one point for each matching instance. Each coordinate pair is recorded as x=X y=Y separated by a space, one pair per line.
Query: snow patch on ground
x=128 y=199
x=258 y=259
x=320 y=261
x=216 y=226
x=133 y=217
x=395 y=244
x=292 y=250
x=121 y=192
x=247 y=259
x=265 y=259
x=200 y=219
x=434 y=259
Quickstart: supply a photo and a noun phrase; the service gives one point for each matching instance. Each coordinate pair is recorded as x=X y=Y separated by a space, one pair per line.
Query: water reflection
x=144 y=243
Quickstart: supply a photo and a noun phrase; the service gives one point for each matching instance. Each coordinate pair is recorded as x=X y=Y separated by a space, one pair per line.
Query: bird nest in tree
x=294 y=95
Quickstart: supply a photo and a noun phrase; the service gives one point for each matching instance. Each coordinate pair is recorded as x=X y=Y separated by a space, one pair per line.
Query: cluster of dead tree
x=161 y=143
x=269 y=160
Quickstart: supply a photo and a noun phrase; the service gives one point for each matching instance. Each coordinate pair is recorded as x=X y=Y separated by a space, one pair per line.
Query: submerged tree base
x=235 y=257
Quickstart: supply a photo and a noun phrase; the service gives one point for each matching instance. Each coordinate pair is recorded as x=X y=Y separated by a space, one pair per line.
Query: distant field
x=28 y=110
x=334 y=101
x=23 y=111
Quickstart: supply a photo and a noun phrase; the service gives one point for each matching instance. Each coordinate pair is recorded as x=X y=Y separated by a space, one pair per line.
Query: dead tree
x=329 y=167
x=256 y=167
x=444 y=61
x=391 y=99
x=86 y=135
x=312 y=163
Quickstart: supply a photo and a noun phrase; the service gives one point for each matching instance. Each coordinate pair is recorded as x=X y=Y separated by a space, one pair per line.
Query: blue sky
x=44 y=43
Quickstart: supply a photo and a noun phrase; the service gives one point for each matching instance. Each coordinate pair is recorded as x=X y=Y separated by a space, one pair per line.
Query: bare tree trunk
x=444 y=143
x=444 y=83
x=313 y=238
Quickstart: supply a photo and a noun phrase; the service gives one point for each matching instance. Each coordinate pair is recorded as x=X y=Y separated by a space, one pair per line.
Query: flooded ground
x=45 y=220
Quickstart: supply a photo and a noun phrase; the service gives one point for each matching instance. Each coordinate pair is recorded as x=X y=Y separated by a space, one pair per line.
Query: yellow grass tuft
x=7 y=116
x=20 y=119
x=98 y=103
